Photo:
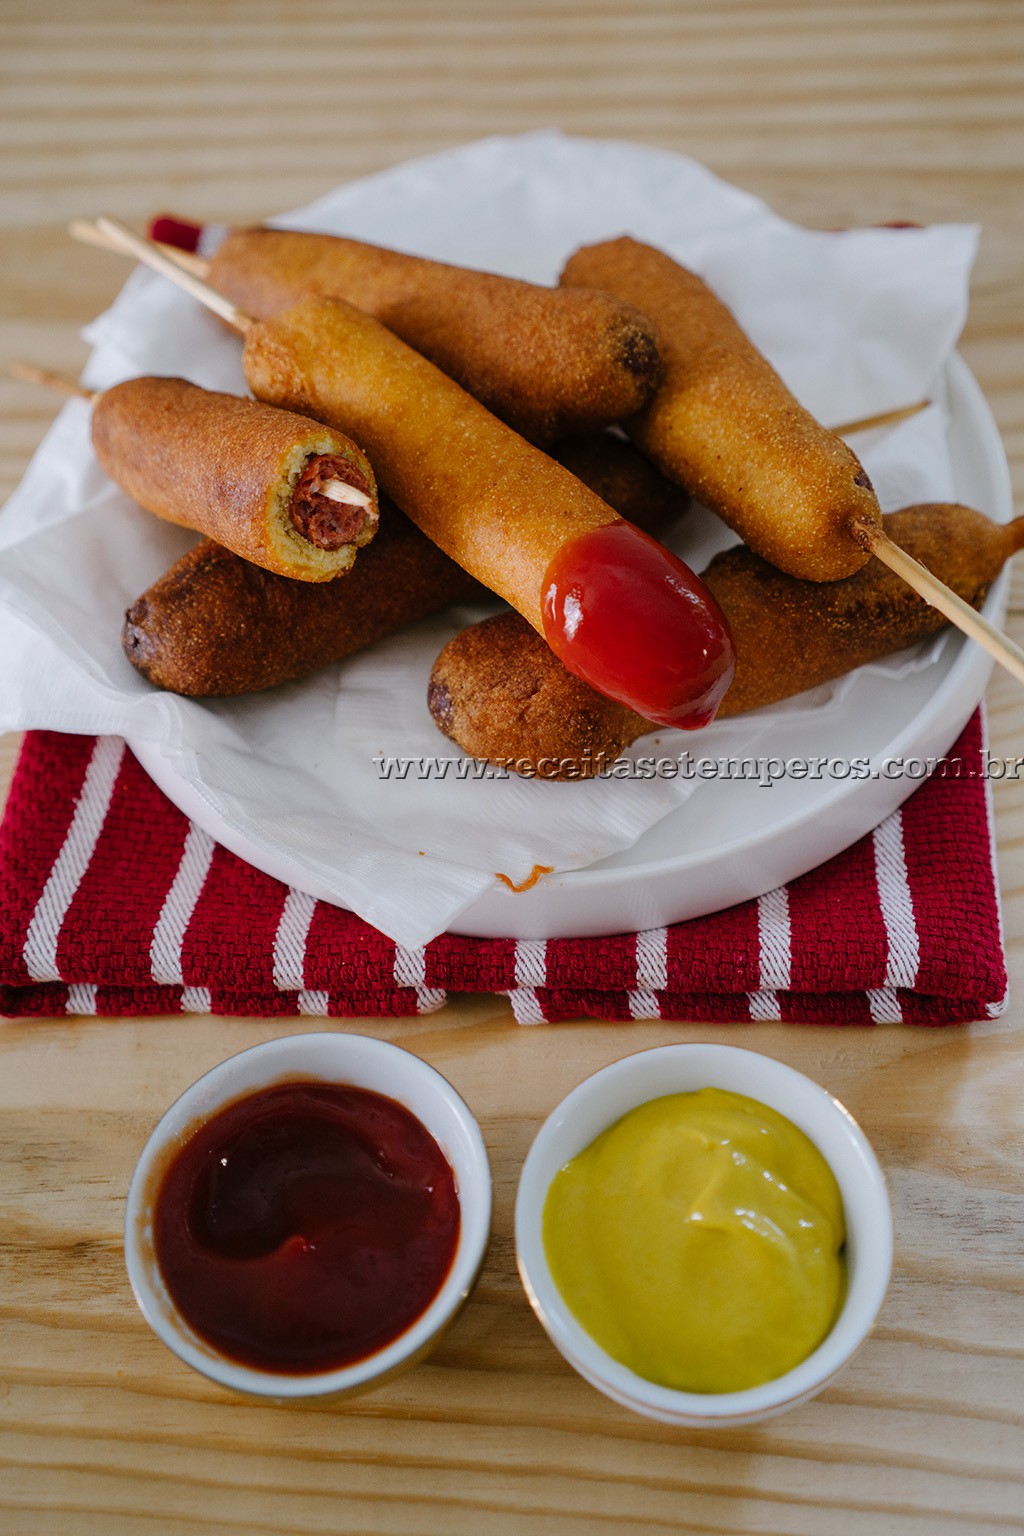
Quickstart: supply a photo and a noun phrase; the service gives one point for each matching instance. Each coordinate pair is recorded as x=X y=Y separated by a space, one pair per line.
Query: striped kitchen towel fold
x=113 y=902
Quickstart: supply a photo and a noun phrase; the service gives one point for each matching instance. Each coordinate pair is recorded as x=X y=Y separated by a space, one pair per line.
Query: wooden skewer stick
x=31 y=373
x=123 y=239
x=883 y=419
x=89 y=234
x=338 y=490
x=1000 y=646
x=917 y=576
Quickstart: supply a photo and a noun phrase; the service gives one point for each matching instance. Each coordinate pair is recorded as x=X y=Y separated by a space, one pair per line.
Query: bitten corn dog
x=215 y=625
x=620 y=611
x=287 y=493
x=724 y=424
x=500 y=694
x=547 y=361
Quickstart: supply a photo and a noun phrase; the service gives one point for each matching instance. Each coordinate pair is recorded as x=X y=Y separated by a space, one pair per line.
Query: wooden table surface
x=835 y=113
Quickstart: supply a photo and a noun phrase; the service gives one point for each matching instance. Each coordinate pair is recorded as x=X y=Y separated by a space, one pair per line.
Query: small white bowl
x=603 y=1099
x=359 y=1062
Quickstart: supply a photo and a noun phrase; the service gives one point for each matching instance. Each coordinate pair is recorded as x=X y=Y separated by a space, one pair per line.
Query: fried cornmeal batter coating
x=792 y=635
x=214 y=624
x=723 y=424
x=548 y=361
x=501 y=694
x=282 y=491
x=622 y=476
x=509 y=515
x=497 y=506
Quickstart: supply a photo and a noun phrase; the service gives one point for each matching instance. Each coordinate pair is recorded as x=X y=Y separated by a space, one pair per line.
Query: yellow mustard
x=699 y=1241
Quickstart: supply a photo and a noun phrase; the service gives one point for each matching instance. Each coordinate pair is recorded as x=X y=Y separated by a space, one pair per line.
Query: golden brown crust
x=502 y=695
x=790 y=636
x=623 y=477
x=724 y=424
x=215 y=625
x=546 y=361
x=496 y=505
x=221 y=465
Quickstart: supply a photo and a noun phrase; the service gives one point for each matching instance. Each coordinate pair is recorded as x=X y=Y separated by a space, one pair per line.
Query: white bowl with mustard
x=704 y=1233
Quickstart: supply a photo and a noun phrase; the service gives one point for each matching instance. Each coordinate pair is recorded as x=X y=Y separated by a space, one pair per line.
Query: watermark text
x=765 y=771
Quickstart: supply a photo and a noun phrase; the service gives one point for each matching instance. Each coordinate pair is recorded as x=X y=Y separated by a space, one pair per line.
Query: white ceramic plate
x=737 y=838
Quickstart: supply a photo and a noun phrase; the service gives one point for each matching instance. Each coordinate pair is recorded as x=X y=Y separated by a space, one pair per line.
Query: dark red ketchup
x=306 y=1226
x=625 y=614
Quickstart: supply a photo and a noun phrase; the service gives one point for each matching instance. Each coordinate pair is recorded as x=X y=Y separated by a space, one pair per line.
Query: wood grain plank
x=836 y=114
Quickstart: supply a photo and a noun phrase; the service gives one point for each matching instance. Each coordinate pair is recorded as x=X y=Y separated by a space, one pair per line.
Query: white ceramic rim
x=362 y=1061
x=601 y=1100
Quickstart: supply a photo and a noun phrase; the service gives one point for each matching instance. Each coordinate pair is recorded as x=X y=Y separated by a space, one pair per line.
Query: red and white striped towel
x=113 y=902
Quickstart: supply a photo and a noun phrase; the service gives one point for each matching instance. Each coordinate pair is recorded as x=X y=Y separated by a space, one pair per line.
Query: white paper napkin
x=857 y=323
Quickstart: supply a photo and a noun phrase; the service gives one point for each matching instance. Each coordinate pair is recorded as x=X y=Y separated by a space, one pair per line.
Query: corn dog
x=287 y=493
x=547 y=361
x=500 y=694
x=724 y=424
x=215 y=625
x=619 y=610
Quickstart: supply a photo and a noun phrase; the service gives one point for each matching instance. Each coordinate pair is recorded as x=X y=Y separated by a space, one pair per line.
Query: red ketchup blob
x=626 y=615
x=306 y=1226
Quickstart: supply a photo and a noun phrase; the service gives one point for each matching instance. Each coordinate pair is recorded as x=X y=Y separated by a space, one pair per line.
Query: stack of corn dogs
x=419 y=430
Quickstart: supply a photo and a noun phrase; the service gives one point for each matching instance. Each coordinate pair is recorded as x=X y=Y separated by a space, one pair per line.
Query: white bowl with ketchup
x=631 y=1105
x=309 y=1216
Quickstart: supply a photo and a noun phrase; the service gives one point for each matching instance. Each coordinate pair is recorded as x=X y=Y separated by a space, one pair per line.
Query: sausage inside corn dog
x=724 y=424
x=215 y=625
x=619 y=609
x=282 y=491
x=500 y=694
x=548 y=361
